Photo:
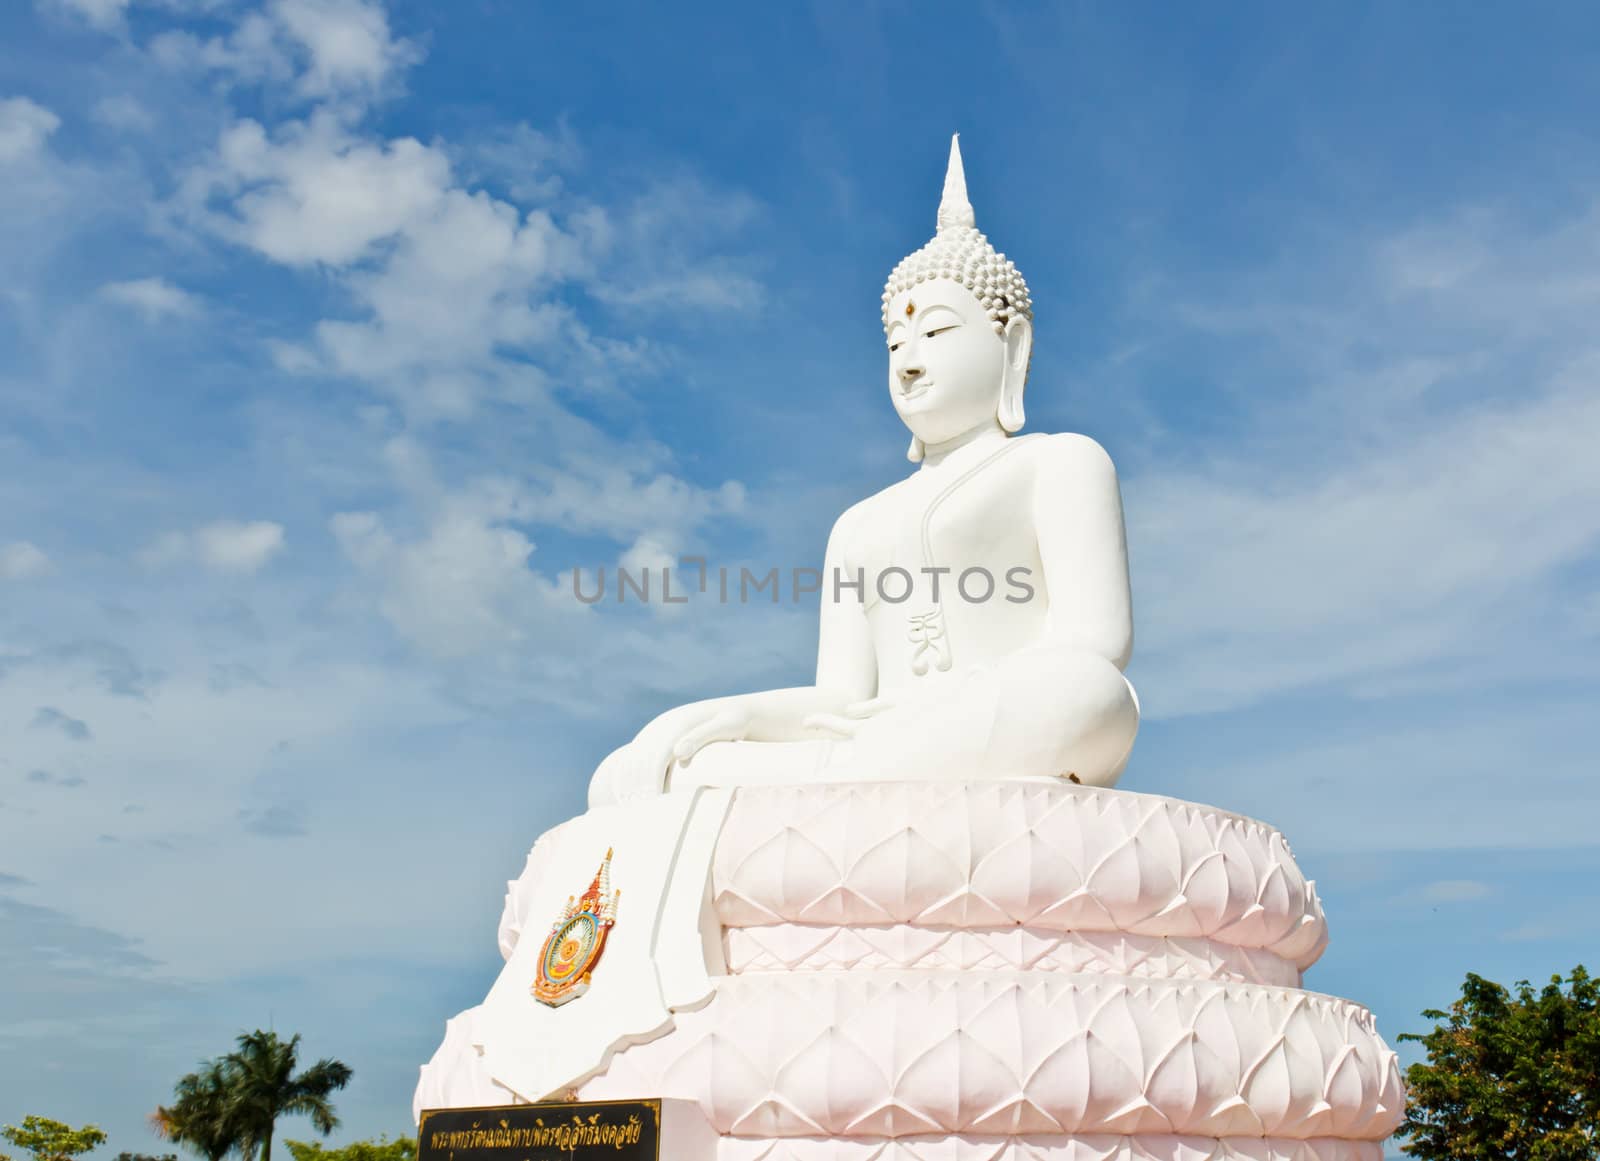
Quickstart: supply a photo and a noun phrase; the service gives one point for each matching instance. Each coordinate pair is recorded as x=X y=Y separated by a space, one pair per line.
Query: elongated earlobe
x=915 y=452
x=1011 y=415
x=1014 y=380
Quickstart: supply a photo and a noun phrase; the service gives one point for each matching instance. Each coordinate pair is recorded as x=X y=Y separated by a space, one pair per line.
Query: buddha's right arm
x=774 y=715
x=847 y=663
x=847 y=673
x=770 y=715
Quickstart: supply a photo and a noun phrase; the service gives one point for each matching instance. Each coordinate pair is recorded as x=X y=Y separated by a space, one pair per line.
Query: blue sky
x=334 y=334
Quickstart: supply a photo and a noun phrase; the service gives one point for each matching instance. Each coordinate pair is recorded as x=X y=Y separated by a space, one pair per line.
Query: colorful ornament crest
x=576 y=941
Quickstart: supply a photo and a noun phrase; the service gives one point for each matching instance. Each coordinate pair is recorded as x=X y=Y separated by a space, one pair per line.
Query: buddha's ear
x=916 y=451
x=1018 y=338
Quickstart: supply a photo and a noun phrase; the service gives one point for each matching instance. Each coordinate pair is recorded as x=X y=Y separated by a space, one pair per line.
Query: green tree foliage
x=201 y=1113
x=146 y=1157
x=1510 y=1076
x=51 y=1140
x=267 y=1087
x=232 y=1104
x=383 y=1149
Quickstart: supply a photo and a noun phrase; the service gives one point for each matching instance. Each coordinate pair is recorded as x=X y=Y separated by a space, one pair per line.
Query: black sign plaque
x=549 y=1131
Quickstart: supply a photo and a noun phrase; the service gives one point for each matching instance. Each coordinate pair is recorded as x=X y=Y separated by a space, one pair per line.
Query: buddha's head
x=959 y=325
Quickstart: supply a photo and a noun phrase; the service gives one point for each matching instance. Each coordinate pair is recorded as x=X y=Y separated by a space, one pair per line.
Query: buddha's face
x=949 y=372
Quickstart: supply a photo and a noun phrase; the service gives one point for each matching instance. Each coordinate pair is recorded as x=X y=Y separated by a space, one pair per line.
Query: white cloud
x=253 y=51
x=625 y=500
x=348 y=44
x=704 y=289
x=1571 y=923
x=459 y=288
x=460 y=578
x=647 y=249
x=1393 y=517
x=154 y=298
x=461 y=588
x=458 y=582
x=525 y=162
x=189 y=758
x=338 y=50
x=651 y=562
x=293 y=358
x=106 y=15
x=1454 y=891
x=167 y=549
x=1397 y=558
x=1586 y=615
x=466 y=590
x=232 y=547
x=25 y=126
x=447 y=281
x=1435 y=257
x=21 y=560
x=454 y=288
x=123 y=112
x=455 y=297
x=647 y=554
x=225 y=546
x=314 y=193
x=48 y=197
x=1515 y=775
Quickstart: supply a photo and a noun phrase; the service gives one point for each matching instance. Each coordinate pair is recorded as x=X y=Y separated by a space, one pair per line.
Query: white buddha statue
x=993 y=620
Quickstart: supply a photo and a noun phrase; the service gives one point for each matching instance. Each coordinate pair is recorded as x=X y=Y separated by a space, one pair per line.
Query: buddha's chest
x=931 y=523
x=945 y=568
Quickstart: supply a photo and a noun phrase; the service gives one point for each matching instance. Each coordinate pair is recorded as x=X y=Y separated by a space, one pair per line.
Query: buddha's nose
x=910 y=372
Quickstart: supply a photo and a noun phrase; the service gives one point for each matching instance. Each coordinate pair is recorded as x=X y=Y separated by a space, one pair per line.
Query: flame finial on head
x=955 y=211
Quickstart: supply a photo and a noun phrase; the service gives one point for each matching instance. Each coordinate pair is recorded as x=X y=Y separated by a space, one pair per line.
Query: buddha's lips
x=921 y=389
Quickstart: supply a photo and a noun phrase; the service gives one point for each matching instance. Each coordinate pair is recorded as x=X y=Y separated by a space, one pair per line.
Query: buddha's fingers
x=848 y=722
x=615 y=778
x=836 y=724
x=872 y=706
x=727 y=725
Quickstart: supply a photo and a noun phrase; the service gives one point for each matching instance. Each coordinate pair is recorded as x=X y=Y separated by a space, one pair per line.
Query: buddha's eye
x=938 y=331
x=893 y=347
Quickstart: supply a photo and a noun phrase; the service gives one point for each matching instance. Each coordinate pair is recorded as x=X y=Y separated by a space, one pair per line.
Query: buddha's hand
x=727 y=723
x=853 y=717
x=627 y=772
x=640 y=769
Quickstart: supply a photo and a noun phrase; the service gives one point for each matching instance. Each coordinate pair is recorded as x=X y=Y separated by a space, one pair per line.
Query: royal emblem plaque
x=577 y=940
x=549 y=1131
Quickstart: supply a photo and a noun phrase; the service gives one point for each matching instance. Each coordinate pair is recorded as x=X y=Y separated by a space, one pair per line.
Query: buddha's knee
x=1066 y=713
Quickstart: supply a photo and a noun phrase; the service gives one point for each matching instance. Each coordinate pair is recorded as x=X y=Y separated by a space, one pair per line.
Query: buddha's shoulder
x=869 y=510
x=866 y=521
x=1066 y=454
x=1062 y=446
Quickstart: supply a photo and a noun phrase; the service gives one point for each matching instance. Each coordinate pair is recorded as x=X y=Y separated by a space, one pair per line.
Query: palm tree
x=263 y=1087
x=199 y=1113
x=231 y=1104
